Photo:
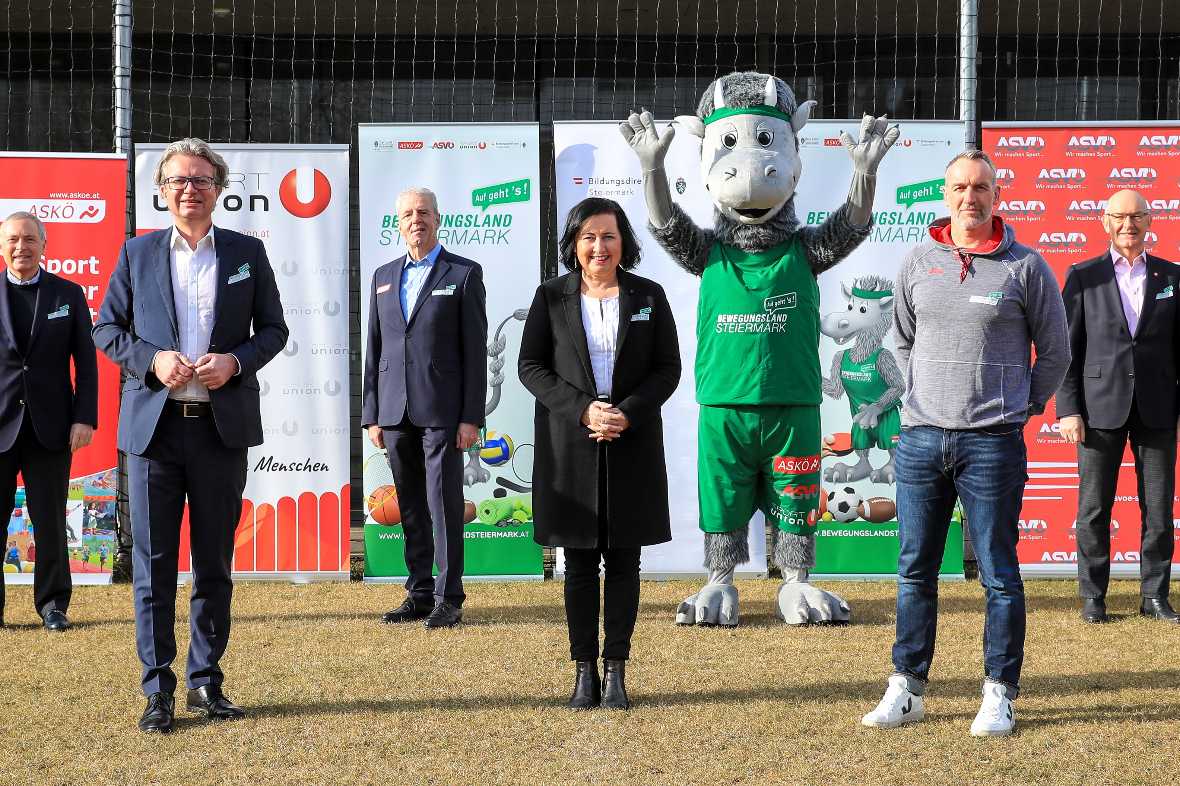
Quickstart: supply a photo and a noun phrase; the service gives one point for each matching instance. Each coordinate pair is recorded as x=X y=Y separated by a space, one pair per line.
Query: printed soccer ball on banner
x=496 y=450
x=842 y=503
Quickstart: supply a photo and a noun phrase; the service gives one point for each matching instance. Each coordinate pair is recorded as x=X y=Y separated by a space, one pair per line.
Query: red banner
x=1054 y=183
x=82 y=200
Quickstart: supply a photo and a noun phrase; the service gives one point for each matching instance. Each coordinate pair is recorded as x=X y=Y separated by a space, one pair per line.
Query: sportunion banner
x=1055 y=178
x=486 y=178
x=81 y=198
x=857 y=534
x=295 y=514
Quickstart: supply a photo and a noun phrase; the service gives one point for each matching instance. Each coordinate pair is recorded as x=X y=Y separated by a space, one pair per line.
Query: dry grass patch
x=334 y=697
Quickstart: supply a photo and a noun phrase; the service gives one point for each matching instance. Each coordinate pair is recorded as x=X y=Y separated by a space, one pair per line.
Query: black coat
x=1110 y=367
x=554 y=364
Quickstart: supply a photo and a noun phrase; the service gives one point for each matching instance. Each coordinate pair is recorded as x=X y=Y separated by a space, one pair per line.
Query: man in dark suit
x=44 y=324
x=177 y=317
x=423 y=400
x=1122 y=383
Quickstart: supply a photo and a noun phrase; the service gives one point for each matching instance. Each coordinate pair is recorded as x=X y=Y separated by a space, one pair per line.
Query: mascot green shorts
x=884 y=435
x=758 y=458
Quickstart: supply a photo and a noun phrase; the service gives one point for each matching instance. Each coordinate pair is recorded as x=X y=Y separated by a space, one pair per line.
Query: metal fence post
x=968 y=71
x=122 y=24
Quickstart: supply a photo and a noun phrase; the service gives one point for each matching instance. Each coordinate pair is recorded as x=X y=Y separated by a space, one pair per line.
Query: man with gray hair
x=424 y=383
x=44 y=326
x=970 y=304
x=191 y=314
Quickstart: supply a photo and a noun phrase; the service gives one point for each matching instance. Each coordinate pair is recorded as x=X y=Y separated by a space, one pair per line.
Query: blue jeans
x=987 y=470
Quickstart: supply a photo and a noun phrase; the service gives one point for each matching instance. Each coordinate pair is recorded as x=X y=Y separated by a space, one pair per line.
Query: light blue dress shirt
x=414 y=277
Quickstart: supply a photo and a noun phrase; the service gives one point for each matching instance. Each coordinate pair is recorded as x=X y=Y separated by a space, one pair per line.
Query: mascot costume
x=758 y=379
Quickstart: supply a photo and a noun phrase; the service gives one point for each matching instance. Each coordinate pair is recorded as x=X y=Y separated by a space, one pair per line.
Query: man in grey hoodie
x=970 y=303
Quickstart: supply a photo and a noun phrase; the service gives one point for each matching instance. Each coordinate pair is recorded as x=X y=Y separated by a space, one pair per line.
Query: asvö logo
x=1022 y=208
x=1085 y=209
x=1005 y=177
x=1165 y=208
x=305 y=192
x=1020 y=143
x=1067 y=242
x=1127 y=175
x=1061 y=176
x=1088 y=143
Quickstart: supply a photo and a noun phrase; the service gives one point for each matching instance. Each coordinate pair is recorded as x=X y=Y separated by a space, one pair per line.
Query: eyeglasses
x=199 y=183
x=1136 y=218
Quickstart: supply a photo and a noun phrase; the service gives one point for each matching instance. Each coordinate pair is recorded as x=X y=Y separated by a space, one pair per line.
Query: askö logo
x=320 y=196
x=410 y=145
x=1022 y=209
x=1061 y=176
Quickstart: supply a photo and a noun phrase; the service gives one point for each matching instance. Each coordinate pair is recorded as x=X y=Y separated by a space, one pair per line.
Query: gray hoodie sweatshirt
x=964 y=345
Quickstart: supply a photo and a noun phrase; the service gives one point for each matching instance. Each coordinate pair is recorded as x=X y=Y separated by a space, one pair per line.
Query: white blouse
x=600 y=320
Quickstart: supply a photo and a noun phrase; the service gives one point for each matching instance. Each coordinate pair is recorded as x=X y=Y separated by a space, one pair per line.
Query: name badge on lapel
x=64 y=311
x=381 y=290
x=1165 y=293
x=242 y=274
x=449 y=289
x=644 y=315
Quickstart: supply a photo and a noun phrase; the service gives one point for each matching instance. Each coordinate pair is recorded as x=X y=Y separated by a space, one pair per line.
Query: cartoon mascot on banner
x=868 y=373
x=758 y=379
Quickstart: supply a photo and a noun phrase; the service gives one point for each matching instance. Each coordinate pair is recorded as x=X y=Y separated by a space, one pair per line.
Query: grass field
x=334 y=697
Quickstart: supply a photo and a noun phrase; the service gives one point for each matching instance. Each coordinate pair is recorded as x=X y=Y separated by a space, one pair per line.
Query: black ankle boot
x=614 y=689
x=587 y=687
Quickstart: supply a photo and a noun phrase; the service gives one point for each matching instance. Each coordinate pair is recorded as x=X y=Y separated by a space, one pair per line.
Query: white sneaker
x=995 y=717
x=898 y=706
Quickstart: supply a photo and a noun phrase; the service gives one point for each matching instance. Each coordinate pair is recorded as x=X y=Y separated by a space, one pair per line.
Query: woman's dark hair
x=567 y=247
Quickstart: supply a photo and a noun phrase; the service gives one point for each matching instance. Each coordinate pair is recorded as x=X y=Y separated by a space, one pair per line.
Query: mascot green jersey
x=757 y=366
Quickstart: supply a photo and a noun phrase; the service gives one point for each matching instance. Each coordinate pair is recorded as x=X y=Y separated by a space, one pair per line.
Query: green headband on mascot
x=871 y=294
x=730 y=111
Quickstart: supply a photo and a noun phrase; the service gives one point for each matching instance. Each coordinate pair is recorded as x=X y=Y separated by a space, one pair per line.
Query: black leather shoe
x=409 y=611
x=1158 y=608
x=157 y=716
x=56 y=621
x=209 y=701
x=444 y=615
x=614 y=689
x=1094 y=611
x=587 y=687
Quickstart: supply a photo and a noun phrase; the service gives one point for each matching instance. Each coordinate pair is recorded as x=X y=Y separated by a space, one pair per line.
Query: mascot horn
x=757 y=367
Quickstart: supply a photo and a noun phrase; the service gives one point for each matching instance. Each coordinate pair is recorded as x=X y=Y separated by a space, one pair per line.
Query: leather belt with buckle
x=190 y=409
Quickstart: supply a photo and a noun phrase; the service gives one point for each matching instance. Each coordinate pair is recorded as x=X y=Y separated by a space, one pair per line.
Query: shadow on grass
x=1166 y=681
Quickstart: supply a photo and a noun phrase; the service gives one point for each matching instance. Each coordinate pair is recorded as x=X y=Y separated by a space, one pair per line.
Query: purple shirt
x=1130 y=276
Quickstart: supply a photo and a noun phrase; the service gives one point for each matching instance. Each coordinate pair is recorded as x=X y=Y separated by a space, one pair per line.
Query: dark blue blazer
x=433 y=367
x=1110 y=367
x=138 y=319
x=40 y=379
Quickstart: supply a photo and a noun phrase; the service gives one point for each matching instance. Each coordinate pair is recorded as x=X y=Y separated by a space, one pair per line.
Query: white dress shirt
x=600 y=320
x=194 y=295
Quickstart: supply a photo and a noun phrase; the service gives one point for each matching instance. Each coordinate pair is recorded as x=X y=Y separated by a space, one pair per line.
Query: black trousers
x=1099 y=457
x=620 y=590
x=46 y=476
x=428 y=473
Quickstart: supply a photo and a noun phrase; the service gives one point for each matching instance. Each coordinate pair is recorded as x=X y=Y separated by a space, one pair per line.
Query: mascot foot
x=844 y=473
x=884 y=475
x=715 y=604
x=800 y=603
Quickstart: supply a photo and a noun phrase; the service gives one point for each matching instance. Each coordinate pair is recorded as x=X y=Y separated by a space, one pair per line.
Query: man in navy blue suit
x=423 y=400
x=192 y=313
x=44 y=324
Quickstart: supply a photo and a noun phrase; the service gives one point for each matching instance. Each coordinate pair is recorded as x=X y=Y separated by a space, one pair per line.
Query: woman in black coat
x=600 y=353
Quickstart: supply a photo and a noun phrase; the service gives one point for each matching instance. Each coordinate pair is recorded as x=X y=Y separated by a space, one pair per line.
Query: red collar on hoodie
x=942 y=234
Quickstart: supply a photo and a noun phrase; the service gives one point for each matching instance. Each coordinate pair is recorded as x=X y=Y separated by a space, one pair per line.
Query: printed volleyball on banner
x=1055 y=179
x=485 y=177
x=857 y=534
x=81 y=198
x=295 y=512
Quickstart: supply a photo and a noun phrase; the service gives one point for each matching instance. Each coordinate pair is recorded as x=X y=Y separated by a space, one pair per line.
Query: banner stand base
x=291 y=578
x=77 y=579
x=889 y=577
